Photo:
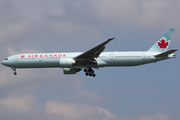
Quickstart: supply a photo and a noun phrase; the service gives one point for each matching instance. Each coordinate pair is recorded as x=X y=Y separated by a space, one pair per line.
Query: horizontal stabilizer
x=166 y=53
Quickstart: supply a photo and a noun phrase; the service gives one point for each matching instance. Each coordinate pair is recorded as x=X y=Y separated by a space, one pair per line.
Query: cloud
x=20 y=105
x=9 y=79
x=158 y=116
x=61 y=22
x=141 y=14
x=41 y=8
x=12 y=51
x=12 y=20
x=44 y=25
x=89 y=96
x=107 y=113
x=69 y=111
x=28 y=106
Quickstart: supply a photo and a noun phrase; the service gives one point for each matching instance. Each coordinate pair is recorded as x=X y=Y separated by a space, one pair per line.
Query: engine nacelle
x=66 y=62
x=70 y=70
x=101 y=63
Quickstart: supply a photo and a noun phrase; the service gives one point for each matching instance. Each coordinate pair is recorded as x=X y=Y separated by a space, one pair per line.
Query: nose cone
x=4 y=62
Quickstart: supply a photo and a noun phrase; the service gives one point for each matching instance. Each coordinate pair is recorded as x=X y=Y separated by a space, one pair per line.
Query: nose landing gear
x=15 y=73
x=89 y=72
x=14 y=69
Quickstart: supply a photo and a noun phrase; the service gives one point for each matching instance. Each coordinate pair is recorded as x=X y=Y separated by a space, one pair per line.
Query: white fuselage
x=48 y=60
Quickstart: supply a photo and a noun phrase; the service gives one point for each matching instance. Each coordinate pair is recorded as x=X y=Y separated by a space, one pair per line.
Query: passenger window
x=6 y=59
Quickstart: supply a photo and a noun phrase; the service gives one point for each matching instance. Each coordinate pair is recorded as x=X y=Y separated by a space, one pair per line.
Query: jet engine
x=66 y=62
x=71 y=70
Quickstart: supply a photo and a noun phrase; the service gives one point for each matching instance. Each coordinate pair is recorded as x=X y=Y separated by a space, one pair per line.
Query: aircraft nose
x=4 y=63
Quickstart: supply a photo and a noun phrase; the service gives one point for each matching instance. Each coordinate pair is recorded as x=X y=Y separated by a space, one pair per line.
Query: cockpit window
x=6 y=59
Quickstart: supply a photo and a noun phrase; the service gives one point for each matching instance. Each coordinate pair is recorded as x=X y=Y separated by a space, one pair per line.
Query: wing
x=94 y=52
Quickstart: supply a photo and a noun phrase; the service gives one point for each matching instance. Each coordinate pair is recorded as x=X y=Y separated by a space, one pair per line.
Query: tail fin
x=162 y=44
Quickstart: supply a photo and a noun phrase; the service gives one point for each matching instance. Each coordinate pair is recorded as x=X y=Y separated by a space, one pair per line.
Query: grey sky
x=149 y=92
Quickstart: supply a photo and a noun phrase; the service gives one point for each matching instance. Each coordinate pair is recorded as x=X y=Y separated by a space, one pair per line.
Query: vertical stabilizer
x=162 y=44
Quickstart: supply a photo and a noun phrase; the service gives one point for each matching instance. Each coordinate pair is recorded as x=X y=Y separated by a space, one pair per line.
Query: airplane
x=94 y=58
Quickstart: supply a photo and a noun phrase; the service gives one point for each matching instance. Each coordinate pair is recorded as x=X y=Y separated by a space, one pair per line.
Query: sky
x=147 y=92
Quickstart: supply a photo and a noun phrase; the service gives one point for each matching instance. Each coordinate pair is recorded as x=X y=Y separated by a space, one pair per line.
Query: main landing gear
x=89 y=72
x=14 y=69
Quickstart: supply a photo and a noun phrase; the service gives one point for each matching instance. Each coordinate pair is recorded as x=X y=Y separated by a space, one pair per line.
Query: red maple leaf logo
x=163 y=44
x=22 y=56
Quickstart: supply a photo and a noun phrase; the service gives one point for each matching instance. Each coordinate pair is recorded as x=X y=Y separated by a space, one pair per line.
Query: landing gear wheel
x=14 y=69
x=85 y=70
x=15 y=73
x=89 y=72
